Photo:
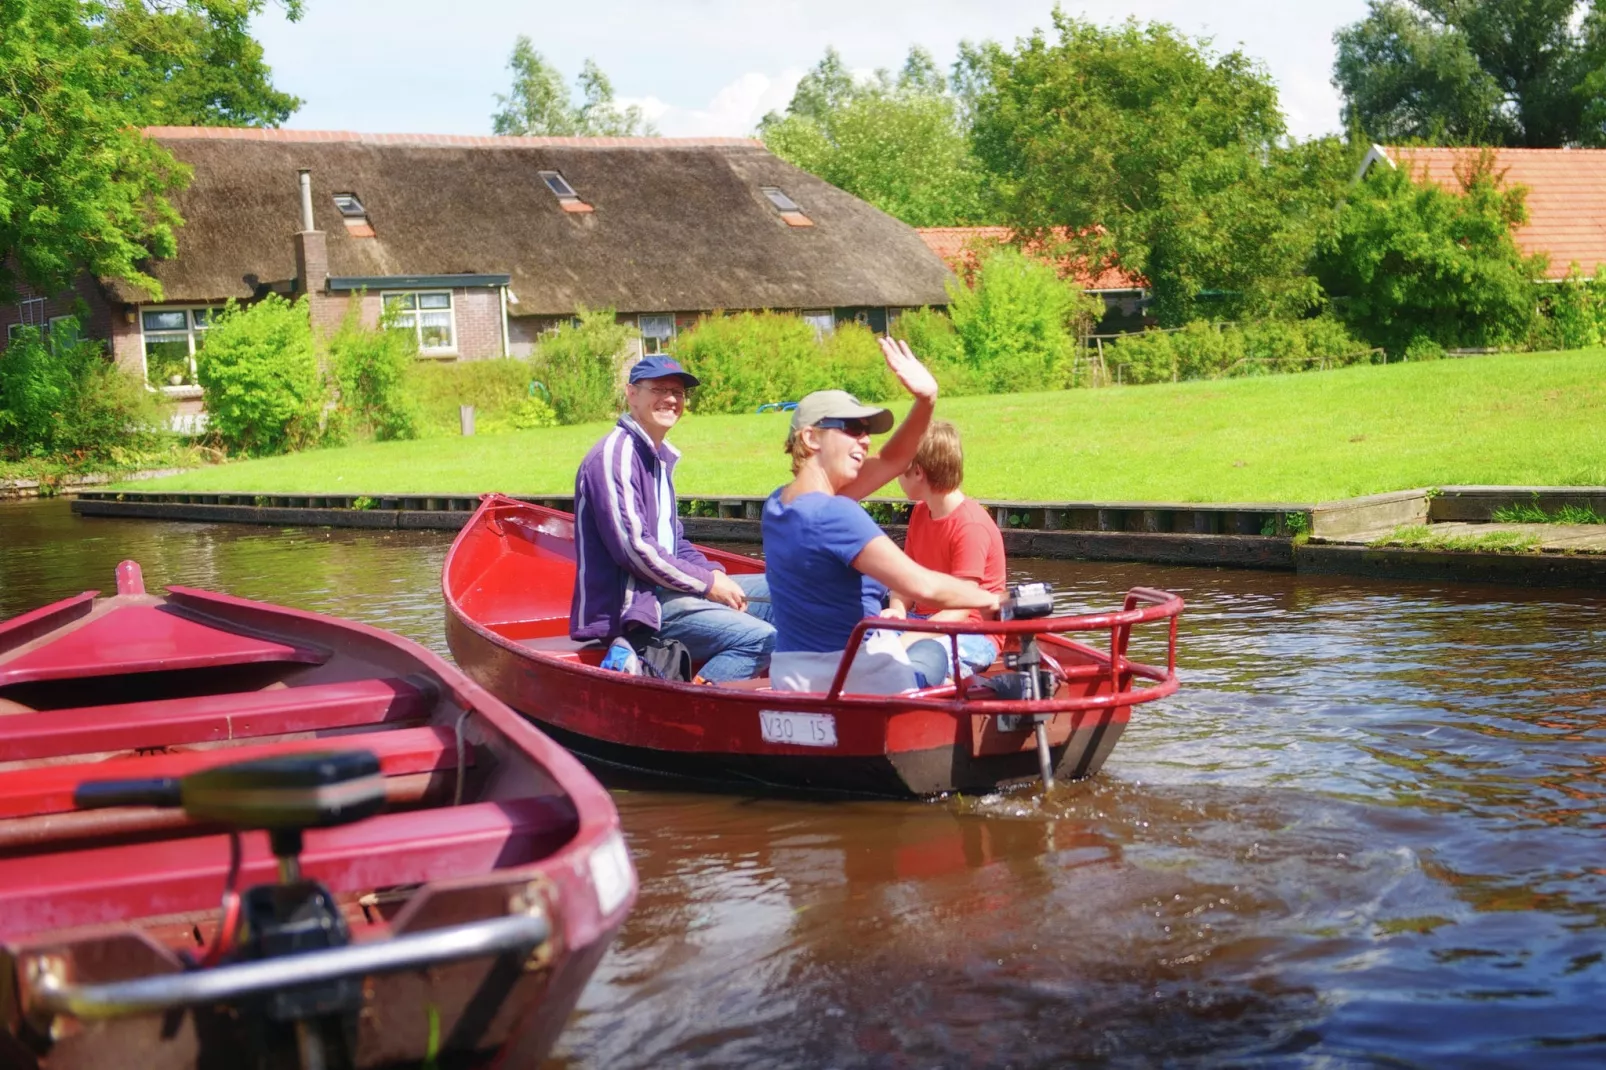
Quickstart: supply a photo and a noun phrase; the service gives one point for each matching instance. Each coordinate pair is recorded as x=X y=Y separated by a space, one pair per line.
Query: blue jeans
x=731 y=644
x=976 y=652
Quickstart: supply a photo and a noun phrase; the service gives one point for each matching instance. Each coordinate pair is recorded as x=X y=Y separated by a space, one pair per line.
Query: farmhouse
x=479 y=244
x=1566 y=195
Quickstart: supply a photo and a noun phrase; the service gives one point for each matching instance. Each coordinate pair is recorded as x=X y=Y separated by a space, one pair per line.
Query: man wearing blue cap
x=634 y=569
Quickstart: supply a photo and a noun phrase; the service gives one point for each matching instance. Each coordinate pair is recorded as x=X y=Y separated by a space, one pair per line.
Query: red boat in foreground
x=507 y=582
x=189 y=875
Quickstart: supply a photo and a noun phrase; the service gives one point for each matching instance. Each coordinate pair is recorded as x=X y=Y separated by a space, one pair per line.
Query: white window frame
x=662 y=339
x=12 y=330
x=189 y=333
x=775 y=195
x=820 y=329
x=448 y=350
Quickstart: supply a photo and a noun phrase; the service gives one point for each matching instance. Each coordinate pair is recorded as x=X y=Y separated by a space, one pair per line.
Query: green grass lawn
x=1510 y=419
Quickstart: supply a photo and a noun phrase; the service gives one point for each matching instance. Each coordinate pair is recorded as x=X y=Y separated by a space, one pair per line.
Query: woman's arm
x=882 y=560
x=899 y=451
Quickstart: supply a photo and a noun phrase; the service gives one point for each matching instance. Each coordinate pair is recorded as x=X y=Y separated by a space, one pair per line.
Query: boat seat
x=757 y=683
x=99 y=885
x=33 y=790
x=562 y=648
x=212 y=718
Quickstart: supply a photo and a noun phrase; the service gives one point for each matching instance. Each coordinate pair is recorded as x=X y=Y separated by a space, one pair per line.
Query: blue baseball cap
x=659 y=366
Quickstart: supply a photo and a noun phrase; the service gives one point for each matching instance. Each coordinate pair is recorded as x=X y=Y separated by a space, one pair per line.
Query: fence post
x=465 y=419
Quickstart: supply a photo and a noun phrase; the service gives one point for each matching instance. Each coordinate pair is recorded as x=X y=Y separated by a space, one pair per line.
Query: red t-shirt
x=965 y=543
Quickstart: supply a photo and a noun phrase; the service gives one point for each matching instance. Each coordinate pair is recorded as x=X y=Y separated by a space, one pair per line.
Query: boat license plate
x=798 y=729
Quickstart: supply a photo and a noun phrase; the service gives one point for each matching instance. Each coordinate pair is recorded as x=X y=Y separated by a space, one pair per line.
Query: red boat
x=188 y=875
x=507 y=582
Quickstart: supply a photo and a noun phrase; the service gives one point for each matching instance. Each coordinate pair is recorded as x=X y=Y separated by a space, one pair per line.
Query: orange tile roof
x=959 y=248
x=1566 y=197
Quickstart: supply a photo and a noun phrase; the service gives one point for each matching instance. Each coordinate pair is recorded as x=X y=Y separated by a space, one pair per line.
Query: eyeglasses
x=678 y=392
x=851 y=425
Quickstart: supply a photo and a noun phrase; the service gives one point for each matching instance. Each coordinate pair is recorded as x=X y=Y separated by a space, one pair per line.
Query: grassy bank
x=1510 y=419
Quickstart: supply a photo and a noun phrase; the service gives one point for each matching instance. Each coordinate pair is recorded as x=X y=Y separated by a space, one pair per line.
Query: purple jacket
x=618 y=559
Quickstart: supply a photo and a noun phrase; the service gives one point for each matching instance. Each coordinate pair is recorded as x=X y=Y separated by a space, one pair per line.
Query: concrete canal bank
x=1348 y=536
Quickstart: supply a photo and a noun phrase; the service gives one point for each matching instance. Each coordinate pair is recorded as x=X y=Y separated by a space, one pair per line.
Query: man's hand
x=725 y=591
x=895 y=613
x=902 y=362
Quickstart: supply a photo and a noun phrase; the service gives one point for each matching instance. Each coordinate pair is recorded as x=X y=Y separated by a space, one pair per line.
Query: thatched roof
x=678 y=224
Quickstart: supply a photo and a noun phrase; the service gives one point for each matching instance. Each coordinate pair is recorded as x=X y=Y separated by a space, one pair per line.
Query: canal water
x=1369 y=831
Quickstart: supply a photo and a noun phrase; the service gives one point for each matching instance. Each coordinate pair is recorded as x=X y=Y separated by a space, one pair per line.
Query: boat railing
x=1142 y=605
x=517 y=934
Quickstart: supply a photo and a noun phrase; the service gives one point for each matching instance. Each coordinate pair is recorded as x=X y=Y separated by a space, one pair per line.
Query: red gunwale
x=507 y=582
x=86 y=887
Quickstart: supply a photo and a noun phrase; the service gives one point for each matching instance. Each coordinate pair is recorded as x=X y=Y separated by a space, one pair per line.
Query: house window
x=821 y=320
x=172 y=336
x=12 y=330
x=558 y=184
x=64 y=331
x=428 y=314
x=350 y=207
x=656 y=331
x=779 y=199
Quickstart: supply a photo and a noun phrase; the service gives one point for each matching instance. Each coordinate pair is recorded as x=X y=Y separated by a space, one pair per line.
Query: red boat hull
x=486 y=819
x=507 y=582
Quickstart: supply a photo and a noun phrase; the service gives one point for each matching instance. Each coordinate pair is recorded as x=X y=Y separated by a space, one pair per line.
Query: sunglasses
x=850 y=424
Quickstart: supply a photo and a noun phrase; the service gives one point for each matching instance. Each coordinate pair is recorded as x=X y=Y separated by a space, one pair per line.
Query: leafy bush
x=260 y=379
x=581 y=365
x=371 y=368
x=853 y=362
x=1016 y=324
x=531 y=413
x=930 y=333
x=496 y=388
x=1410 y=260
x=750 y=358
x=1576 y=311
x=1203 y=351
x=69 y=400
x=1423 y=348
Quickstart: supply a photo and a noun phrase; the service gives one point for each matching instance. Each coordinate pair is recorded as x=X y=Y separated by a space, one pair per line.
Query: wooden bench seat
x=563 y=648
x=211 y=718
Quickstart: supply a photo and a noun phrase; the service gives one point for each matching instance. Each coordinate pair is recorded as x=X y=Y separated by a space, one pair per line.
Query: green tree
x=1149 y=148
x=897 y=142
x=260 y=377
x=540 y=104
x=1489 y=72
x=194 y=62
x=1411 y=262
x=80 y=188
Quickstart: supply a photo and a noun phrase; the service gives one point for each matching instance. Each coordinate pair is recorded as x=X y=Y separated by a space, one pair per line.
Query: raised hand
x=907 y=367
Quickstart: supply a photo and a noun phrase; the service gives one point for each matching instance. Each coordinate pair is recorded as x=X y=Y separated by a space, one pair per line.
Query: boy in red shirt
x=950 y=533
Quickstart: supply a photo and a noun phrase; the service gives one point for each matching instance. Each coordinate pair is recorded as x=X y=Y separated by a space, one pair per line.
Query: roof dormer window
x=354 y=215
x=568 y=199
x=791 y=213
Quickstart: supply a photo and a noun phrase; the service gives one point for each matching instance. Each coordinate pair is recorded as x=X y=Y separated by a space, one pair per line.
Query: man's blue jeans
x=731 y=644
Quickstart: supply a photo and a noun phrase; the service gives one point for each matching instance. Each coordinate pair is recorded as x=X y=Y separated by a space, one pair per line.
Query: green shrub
x=1276 y=346
x=581 y=365
x=1326 y=339
x=1577 y=311
x=1142 y=358
x=930 y=333
x=1205 y=351
x=533 y=412
x=1016 y=325
x=752 y=358
x=260 y=379
x=1423 y=348
x=371 y=366
x=853 y=361
x=68 y=400
x=496 y=388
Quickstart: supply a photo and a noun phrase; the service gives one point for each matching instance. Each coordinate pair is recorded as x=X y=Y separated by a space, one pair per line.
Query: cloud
x=734 y=110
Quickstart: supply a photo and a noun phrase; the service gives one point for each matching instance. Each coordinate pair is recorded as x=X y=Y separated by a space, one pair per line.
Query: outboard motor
x=313 y=1024
x=1027 y=679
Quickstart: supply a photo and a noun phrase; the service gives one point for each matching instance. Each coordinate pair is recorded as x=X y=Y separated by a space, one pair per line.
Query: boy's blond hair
x=941 y=458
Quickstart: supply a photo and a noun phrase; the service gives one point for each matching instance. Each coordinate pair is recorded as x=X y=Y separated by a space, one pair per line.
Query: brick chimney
x=312 y=264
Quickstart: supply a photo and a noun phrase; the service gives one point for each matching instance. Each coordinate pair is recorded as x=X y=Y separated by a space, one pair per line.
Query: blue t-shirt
x=809 y=547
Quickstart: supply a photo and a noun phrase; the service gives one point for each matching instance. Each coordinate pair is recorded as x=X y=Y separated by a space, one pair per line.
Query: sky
x=715 y=67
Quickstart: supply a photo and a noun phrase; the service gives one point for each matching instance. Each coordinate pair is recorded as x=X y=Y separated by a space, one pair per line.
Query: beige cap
x=839 y=403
